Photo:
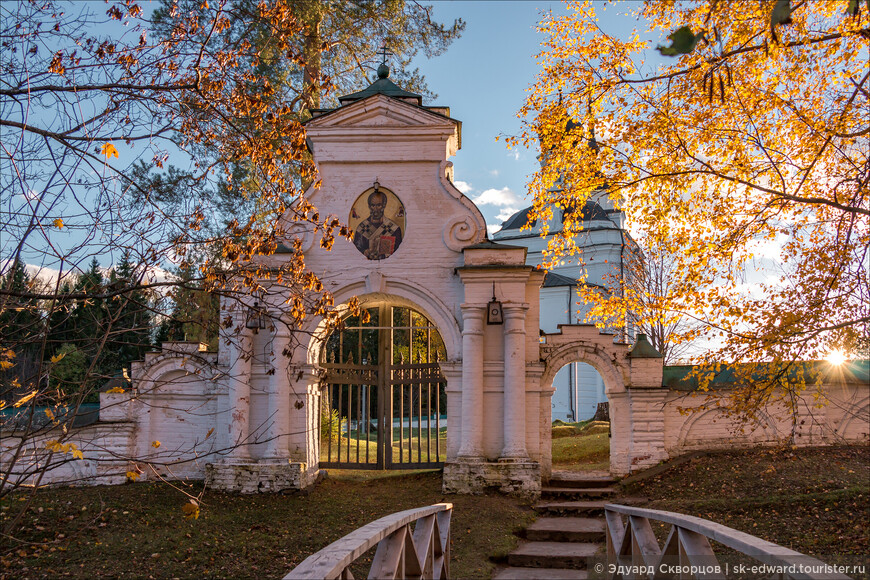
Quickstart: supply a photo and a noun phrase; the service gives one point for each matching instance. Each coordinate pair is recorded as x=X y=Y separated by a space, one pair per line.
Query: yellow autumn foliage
x=745 y=159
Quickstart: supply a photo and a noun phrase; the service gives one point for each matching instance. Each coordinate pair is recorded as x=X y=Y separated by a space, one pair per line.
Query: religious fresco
x=377 y=220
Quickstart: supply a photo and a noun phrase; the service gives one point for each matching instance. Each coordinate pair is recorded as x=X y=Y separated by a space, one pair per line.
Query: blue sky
x=483 y=78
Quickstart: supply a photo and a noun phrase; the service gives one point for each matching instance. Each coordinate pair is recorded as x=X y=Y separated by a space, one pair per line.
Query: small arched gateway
x=632 y=382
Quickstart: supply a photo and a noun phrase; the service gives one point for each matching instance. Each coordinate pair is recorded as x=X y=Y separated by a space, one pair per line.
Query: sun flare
x=836 y=358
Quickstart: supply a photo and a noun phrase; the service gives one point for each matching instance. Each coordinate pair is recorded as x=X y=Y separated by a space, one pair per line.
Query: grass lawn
x=813 y=500
x=583 y=446
x=138 y=530
x=409 y=448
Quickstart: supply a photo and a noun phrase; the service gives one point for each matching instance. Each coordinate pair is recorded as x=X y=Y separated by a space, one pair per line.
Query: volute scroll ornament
x=304 y=232
x=461 y=231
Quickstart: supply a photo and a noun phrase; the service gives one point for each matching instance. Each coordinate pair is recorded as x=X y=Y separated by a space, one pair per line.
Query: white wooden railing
x=401 y=553
x=633 y=550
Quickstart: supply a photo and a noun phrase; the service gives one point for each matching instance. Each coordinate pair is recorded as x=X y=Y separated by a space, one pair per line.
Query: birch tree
x=744 y=154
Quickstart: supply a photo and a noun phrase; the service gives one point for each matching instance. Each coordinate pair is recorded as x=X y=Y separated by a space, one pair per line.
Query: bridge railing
x=634 y=552
x=423 y=552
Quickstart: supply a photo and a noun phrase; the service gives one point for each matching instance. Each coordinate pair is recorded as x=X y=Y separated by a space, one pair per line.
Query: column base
x=514 y=477
x=515 y=459
x=264 y=476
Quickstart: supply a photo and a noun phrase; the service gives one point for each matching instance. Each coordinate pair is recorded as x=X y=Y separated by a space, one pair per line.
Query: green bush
x=331 y=424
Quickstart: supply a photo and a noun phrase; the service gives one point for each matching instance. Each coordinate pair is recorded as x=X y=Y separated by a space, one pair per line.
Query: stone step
x=579 y=479
x=576 y=492
x=571 y=555
x=540 y=574
x=566 y=529
x=582 y=507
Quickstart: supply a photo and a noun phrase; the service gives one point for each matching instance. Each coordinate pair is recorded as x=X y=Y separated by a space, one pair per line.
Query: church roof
x=591 y=211
x=518 y=220
x=553 y=280
x=383 y=86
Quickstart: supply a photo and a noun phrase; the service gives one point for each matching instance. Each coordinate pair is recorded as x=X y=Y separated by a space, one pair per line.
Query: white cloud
x=493 y=172
x=769 y=249
x=492 y=228
x=506 y=212
x=463 y=186
x=499 y=197
x=515 y=154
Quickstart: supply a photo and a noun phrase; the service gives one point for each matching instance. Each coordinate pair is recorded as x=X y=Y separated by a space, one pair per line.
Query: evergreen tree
x=340 y=46
x=20 y=333
x=195 y=313
x=131 y=316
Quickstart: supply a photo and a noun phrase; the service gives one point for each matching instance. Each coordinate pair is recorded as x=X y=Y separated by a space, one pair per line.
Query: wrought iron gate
x=384 y=402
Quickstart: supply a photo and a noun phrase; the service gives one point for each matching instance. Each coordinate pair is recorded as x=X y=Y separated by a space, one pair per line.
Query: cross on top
x=385 y=53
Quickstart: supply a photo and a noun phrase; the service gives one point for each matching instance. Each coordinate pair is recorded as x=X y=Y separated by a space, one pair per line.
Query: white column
x=514 y=382
x=278 y=402
x=472 y=382
x=240 y=393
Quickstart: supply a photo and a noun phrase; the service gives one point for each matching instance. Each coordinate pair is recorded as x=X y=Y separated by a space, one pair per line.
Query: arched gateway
x=372 y=394
x=452 y=338
x=632 y=382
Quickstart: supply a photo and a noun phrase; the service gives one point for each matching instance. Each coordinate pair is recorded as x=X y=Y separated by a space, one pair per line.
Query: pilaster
x=278 y=427
x=471 y=448
x=240 y=393
x=514 y=383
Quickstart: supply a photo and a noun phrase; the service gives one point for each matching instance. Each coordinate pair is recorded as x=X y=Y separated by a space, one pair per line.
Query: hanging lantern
x=494 y=314
x=256 y=318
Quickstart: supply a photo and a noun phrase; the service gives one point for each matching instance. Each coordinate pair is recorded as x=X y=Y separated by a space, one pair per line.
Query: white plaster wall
x=105 y=448
x=845 y=417
x=174 y=401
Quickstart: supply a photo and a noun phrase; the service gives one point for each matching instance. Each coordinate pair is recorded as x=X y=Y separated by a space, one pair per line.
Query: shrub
x=331 y=424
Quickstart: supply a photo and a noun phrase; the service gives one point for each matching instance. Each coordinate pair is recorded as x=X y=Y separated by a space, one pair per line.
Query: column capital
x=473 y=309
x=514 y=308
x=472 y=318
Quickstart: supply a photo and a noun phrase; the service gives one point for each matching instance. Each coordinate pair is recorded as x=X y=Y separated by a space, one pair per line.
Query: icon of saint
x=377 y=236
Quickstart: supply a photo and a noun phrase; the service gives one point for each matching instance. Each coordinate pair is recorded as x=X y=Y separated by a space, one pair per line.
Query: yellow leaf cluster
x=752 y=143
x=57 y=447
x=191 y=510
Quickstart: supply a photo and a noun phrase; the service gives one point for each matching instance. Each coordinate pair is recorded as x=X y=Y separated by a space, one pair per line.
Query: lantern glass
x=256 y=318
x=494 y=313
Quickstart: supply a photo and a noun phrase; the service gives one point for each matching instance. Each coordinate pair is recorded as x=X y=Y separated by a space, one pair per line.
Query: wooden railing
x=401 y=552
x=633 y=550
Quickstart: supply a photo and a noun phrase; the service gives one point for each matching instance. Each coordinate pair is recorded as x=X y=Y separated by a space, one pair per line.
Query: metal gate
x=384 y=402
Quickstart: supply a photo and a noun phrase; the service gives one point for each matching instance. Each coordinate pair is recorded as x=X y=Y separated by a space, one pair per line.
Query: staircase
x=569 y=531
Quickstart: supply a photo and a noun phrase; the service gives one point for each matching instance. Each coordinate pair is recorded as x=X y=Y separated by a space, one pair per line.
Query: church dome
x=590 y=212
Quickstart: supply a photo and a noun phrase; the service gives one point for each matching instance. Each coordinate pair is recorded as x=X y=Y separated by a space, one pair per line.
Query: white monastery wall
x=845 y=417
x=246 y=418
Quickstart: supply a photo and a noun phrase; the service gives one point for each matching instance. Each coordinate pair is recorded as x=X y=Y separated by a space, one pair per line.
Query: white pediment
x=379 y=111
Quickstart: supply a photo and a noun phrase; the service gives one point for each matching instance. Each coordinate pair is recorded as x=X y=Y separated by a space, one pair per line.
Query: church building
x=606 y=250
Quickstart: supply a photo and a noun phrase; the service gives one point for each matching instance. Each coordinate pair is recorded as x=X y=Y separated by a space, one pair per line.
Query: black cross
x=385 y=53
